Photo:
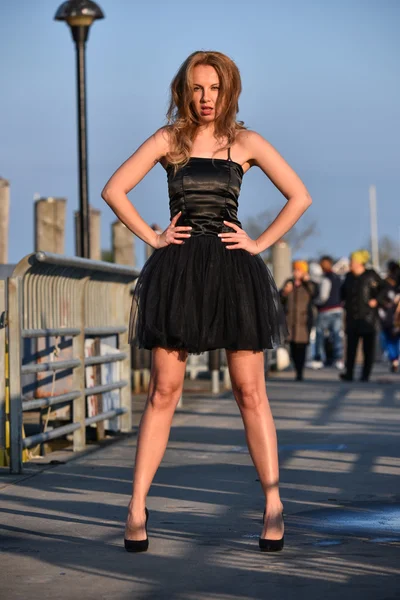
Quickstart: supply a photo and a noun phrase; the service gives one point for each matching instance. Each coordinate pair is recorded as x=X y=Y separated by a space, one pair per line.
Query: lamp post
x=79 y=15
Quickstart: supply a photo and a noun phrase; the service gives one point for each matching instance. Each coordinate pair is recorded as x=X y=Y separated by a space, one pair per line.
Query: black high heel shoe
x=271 y=545
x=138 y=545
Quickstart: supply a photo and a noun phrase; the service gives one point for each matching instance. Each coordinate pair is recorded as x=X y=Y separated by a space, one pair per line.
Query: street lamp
x=79 y=15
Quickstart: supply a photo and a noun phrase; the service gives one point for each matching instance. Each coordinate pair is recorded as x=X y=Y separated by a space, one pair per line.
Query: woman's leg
x=166 y=383
x=246 y=369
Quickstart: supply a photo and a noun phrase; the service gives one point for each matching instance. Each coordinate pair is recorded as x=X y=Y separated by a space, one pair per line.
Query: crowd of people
x=328 y=309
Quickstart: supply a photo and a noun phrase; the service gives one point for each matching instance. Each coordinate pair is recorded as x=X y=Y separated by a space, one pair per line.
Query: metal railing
x=2 y=369
x=59 y=302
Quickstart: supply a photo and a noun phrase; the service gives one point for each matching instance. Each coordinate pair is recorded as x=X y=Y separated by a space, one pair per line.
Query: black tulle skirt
x=200 y=296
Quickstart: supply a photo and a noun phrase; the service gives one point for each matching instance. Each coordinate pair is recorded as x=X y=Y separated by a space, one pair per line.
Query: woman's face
x=205 y=92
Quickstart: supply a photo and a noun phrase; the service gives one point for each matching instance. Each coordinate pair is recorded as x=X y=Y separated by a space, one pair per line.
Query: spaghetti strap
x=229 y=153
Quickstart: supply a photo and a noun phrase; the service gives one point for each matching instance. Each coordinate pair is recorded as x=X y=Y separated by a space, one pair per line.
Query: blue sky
x=320 y=82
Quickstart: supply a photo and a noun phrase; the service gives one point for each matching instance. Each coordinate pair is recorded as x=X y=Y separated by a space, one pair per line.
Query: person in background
x=297 y=297
x=393 y=274
x=389 y=316
x=315 y=272
x=362 y=292
x=330 y=316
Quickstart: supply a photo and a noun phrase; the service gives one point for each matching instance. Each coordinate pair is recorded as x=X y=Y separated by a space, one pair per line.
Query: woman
x=206 y=286
x=297 y=296
x=362 y=291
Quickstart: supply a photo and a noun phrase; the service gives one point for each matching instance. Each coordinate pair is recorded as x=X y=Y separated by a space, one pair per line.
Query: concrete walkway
x=62 y=525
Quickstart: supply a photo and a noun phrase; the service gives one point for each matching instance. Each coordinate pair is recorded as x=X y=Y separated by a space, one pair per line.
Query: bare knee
x=165 y=395
x=248 y=396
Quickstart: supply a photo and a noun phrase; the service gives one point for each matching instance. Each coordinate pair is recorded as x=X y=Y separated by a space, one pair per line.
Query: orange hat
x=301 y=265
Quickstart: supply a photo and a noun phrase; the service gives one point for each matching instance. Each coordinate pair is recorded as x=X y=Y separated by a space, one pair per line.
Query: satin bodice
x=206 y=190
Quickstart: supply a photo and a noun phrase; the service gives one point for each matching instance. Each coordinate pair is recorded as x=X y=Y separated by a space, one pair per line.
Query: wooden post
x=50 y=225
x=150 y=249
x=146 y=371
x=95 y=232
x=4 y=219
x=123 y=244
x=281 y=262
x=136 y=368
x=214 y=366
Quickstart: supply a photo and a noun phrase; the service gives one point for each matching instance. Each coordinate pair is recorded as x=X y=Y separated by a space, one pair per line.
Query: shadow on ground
x=62 y=529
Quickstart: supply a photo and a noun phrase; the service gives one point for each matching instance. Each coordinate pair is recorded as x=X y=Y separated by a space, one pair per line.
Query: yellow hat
x=301 y=265
x=360 y=256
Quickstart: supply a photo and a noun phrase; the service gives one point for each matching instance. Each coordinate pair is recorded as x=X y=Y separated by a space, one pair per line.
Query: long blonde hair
x=181 y=117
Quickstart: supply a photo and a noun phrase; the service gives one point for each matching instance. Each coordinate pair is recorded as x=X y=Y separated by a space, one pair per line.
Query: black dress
x=200 y=296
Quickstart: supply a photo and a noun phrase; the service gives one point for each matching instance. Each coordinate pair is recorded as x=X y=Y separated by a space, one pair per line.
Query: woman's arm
x=288 y=183
x=126 y=177
x=264 y=155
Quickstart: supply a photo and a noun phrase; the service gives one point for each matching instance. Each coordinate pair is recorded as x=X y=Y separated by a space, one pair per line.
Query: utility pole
x=374 y=227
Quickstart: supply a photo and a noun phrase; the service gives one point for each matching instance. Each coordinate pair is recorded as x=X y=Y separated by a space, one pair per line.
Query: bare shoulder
x=162 y=139
x=252 y=141
x=252 y=145
x=243 y=137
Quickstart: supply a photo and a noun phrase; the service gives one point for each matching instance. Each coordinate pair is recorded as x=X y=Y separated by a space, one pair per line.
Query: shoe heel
x=271 y=545
x=138 y=545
